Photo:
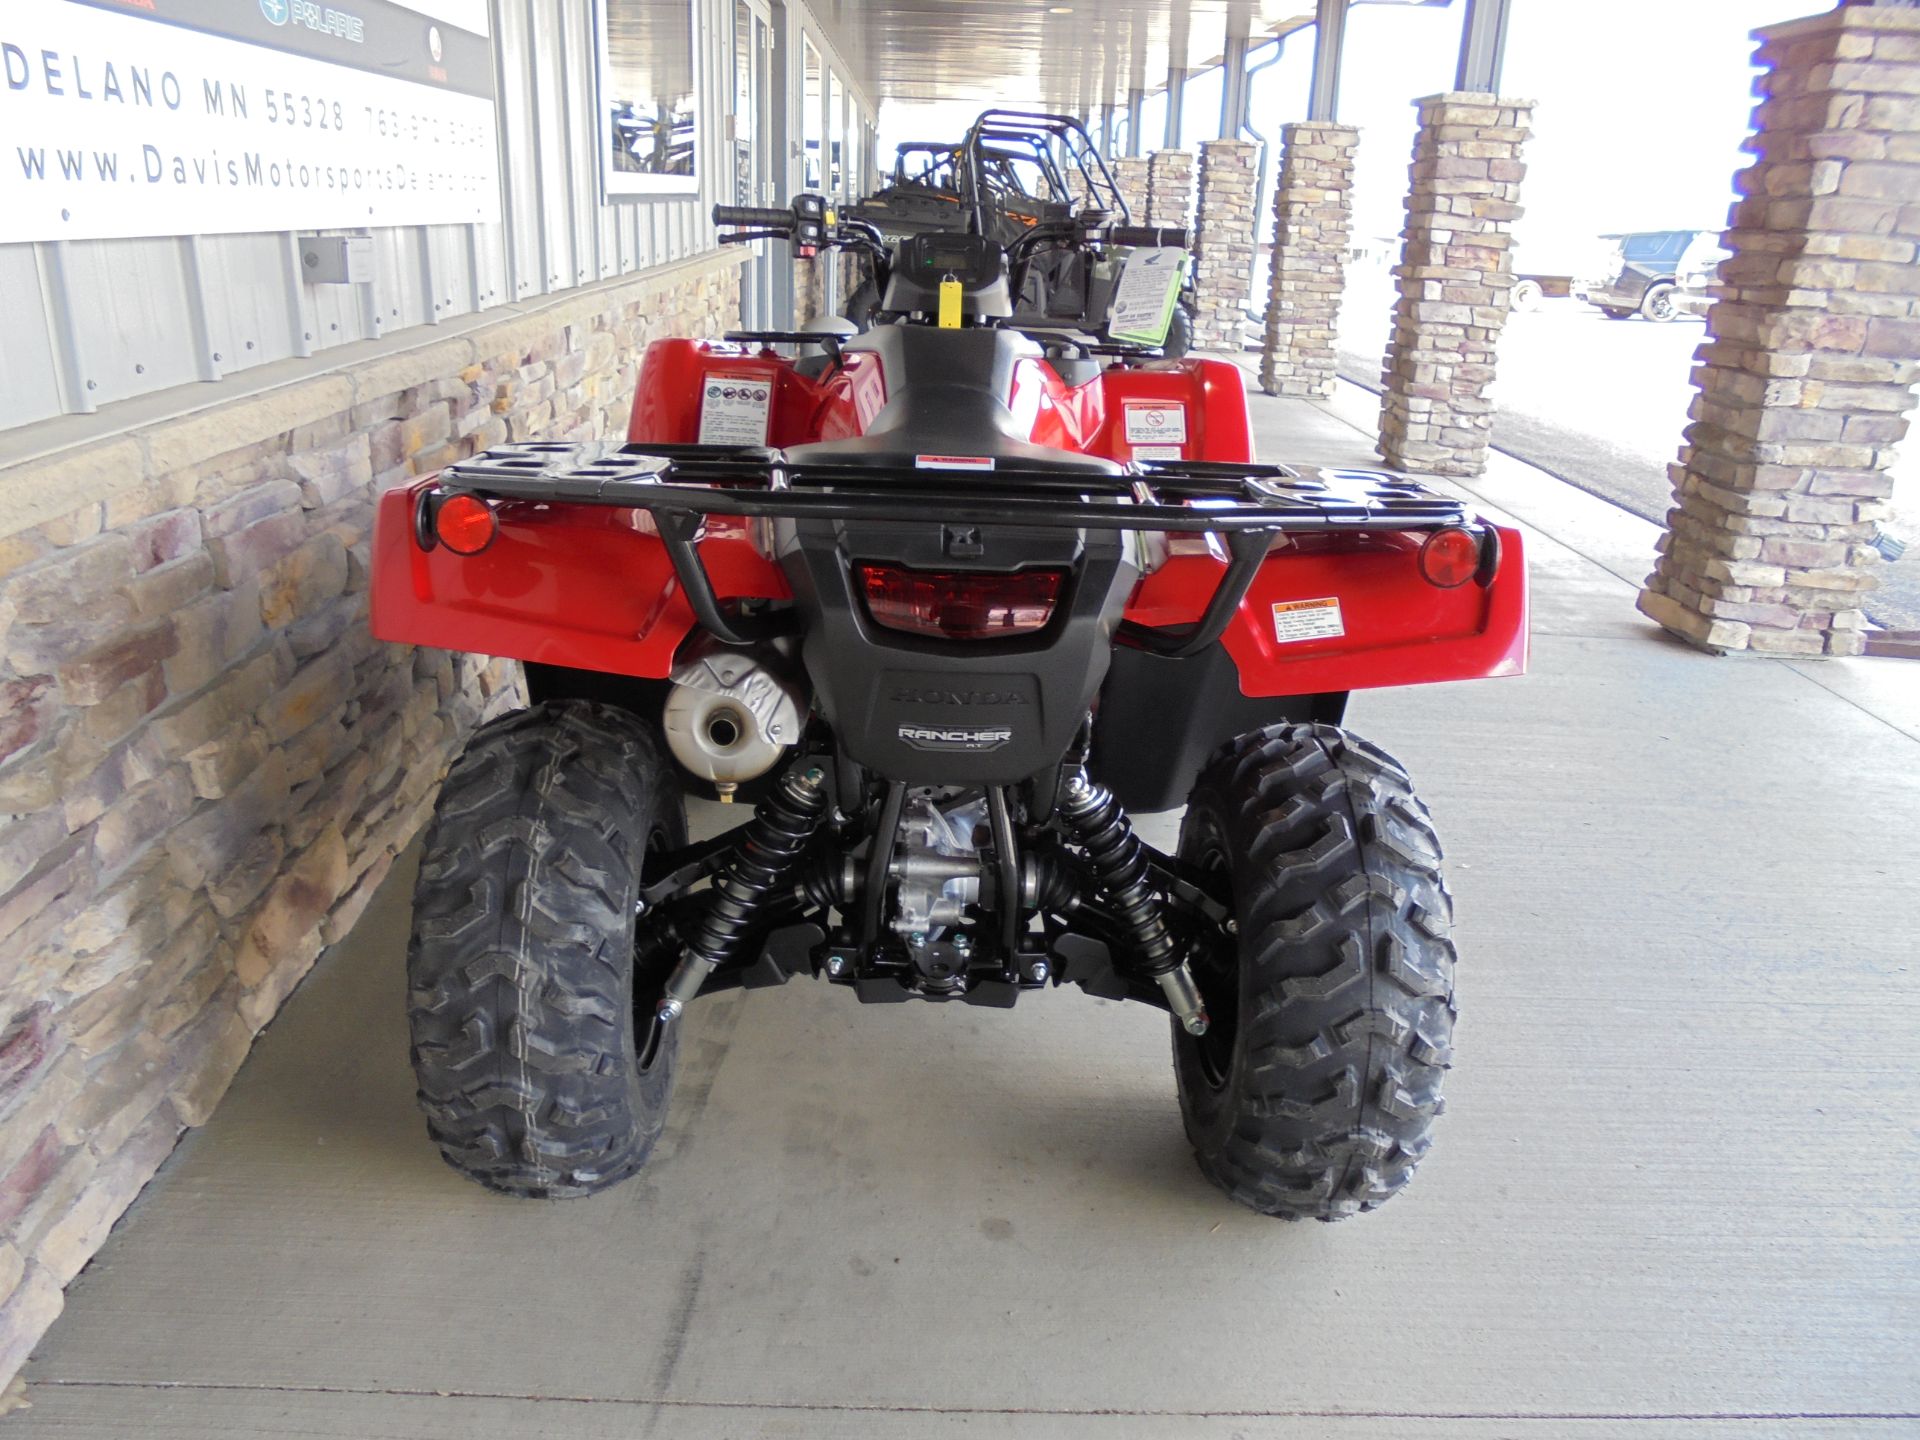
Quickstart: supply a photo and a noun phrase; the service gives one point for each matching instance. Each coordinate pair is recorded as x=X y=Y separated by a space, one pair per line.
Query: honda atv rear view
x=937 y=607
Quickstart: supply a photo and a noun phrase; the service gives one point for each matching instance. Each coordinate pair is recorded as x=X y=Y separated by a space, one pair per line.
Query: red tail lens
x=1450 y=557
x=465 y=524
x=959 y=605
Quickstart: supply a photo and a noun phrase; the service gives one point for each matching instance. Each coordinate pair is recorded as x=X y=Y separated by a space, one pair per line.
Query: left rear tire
x=539 y=1067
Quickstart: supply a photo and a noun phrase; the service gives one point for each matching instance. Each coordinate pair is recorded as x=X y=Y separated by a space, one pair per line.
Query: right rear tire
x=1314 y=1092
x=539 y=1066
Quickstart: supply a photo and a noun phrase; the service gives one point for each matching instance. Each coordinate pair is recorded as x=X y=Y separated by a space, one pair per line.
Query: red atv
x=942 y=602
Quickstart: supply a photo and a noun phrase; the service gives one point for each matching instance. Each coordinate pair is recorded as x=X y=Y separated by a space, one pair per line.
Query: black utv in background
x=1642 y=269
x=1014 y=175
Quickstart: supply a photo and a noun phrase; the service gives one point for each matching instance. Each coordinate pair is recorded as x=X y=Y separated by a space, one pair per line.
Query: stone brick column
x=1455 y=272
x=1312 y=217
x=1131 y=174
x=809 y=291
x=1223 y=243
x=1814 y=346
x=1169 y=188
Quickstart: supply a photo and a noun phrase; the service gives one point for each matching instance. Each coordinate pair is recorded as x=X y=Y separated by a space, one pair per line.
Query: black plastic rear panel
x=1160 y=718
x=938 y=712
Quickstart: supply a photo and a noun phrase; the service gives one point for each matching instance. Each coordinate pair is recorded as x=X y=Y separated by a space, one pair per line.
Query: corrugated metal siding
x=154 y=313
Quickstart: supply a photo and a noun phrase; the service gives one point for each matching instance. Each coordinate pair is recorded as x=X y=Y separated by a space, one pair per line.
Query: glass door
x=753 y=167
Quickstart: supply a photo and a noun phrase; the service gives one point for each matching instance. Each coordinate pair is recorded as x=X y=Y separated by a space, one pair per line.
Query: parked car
x=1642 y=267
x=1697 y=270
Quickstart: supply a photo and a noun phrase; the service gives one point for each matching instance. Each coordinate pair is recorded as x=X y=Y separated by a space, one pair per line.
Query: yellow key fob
x=949 y=304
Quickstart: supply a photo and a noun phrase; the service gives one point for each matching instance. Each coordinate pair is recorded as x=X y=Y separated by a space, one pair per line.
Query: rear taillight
x=960 y=605
x=465 y=524
x=1450 y=557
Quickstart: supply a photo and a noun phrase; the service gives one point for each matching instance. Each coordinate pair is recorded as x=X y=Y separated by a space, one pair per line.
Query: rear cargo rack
x=1247 y=505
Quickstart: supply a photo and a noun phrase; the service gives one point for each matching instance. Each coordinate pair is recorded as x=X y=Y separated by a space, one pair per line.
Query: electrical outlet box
x=336 y=259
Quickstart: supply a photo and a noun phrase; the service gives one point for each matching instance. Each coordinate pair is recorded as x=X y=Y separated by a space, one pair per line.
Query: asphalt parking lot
x=1602 y=404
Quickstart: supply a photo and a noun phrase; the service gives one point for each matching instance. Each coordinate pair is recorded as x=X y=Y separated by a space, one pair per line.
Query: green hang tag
x=1146 y=294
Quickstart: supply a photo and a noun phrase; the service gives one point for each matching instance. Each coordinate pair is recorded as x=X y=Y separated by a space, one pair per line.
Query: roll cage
x=1058 y=142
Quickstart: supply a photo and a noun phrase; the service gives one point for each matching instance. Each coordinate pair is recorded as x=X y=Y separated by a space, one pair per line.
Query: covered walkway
x=1672 y=1197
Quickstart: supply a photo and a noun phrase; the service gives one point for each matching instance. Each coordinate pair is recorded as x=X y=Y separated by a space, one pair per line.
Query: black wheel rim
x=651 y=948
x=1216 y=970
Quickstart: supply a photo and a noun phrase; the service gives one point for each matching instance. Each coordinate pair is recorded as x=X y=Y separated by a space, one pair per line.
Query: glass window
x=746 y=104
x=836 y=134
x=743 y=98
x=649 y=97
x=815 y=114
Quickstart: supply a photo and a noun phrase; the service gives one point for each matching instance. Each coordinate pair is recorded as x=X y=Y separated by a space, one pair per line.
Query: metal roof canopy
x=1091 y=57
x=1074 y=55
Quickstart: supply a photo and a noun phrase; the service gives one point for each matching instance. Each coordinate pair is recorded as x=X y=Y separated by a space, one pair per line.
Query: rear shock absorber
x=759 y=872
x=1096 y=822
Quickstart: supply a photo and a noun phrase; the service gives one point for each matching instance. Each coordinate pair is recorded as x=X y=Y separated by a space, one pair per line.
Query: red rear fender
x=576 y=585
x=1349 y=613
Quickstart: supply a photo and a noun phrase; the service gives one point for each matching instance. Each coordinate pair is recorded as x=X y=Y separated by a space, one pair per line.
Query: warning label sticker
x=1307 y=619
x=733 y=411
x=1157 y=423
x=953 y=462
x=1156 y=452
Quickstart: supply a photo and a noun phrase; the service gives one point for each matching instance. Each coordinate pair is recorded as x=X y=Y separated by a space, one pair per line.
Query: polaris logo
x=955 y=737
x=914 y=695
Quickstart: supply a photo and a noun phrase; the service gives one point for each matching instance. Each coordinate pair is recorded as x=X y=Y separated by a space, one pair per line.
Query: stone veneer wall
x=1132 y=174
x=1814 y=348
x=1455 y=277
x=1170 y=188
x=1223 y=243
x=1312 y=219
x=207 y=764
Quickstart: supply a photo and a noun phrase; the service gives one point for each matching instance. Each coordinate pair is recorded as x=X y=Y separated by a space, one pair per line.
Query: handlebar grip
x=1147 y=235
x=754 y=215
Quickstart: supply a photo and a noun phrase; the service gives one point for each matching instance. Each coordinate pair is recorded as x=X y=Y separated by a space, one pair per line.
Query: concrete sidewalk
x=1675 y=1195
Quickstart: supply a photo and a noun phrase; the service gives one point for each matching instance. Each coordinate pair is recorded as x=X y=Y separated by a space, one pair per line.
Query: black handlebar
x=1146 y=235
x=754 y=215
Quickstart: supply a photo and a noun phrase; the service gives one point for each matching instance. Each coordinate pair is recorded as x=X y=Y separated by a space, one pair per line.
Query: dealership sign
x=185 y=117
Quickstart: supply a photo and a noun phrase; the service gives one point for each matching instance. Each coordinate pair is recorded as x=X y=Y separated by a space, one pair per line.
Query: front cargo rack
x=1247 y=505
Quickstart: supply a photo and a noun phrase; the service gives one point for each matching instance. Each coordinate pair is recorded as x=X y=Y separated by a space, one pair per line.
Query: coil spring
x=759 y=868
x=1096 y=822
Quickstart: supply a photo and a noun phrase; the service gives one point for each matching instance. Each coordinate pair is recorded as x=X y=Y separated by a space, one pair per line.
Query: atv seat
x=934 y=408
x=896 y=451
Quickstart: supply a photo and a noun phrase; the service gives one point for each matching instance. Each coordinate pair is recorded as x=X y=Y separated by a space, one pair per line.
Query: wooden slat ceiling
x=1064 y=55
